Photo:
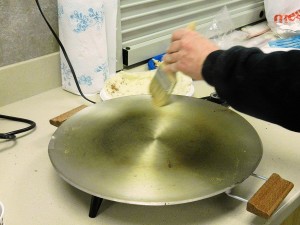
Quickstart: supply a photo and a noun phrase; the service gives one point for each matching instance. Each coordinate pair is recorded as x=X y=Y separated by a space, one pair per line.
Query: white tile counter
x=34 y=194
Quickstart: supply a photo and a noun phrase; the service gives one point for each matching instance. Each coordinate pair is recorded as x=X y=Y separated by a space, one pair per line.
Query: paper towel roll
x=82 y=32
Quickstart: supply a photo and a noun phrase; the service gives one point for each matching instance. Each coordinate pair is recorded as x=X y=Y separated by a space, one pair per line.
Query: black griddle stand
x=94 y=206
x=96 y=201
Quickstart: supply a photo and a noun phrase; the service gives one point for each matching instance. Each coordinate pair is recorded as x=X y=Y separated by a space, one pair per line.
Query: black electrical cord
x=12 y=135
x=64 y=52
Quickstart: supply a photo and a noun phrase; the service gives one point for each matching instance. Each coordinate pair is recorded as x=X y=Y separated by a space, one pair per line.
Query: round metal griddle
x=128 y=150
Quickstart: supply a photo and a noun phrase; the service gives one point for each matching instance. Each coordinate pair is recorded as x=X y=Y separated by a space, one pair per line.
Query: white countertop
x=34 y=194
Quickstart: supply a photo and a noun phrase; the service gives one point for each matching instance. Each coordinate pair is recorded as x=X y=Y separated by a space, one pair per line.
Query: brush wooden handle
x=192 y=26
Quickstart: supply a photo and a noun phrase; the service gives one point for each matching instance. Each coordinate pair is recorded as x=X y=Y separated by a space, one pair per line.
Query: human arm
x=266 y=86
x=187 y=52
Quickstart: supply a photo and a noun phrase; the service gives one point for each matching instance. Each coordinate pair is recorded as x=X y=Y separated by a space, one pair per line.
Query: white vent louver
x=146 y=25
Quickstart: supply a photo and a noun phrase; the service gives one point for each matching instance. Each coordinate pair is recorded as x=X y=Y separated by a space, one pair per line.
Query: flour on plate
x=129 y=83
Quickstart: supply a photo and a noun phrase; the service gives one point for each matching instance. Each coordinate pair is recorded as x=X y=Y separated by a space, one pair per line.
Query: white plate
x=105 y=96
x=136 y=83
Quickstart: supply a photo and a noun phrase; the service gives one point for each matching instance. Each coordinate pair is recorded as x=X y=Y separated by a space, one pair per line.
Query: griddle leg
x=94 y=206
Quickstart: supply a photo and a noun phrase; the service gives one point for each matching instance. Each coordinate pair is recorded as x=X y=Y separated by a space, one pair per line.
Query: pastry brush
x=163 y=83
x=162 y=86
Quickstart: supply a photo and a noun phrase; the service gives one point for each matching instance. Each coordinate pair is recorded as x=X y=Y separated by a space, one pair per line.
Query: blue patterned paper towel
x=82 y=31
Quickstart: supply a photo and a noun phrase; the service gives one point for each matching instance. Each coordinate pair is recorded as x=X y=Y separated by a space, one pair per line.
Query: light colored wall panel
x=23 y=33
x=146 y=25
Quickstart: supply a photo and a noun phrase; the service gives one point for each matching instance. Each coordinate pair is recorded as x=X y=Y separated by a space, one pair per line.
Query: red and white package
x=283 y=16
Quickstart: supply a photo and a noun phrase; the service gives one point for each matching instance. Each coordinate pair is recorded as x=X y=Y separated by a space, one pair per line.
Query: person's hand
x=187 y=53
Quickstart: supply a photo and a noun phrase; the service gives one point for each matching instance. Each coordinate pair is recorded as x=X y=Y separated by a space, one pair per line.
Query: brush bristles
x=161 y=87
x=160 y=96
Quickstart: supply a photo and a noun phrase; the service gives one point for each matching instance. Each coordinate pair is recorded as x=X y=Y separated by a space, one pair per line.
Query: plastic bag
x=283 y=17
x=221 y=30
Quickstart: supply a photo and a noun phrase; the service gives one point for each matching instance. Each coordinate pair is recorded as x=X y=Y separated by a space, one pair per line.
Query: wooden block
x=57 y=121
x=267 y=199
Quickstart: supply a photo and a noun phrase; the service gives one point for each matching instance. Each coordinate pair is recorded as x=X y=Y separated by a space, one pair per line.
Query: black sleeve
x=266 y=86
